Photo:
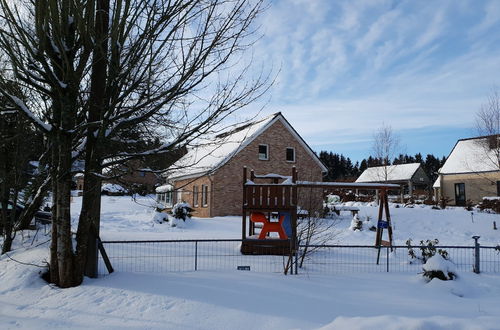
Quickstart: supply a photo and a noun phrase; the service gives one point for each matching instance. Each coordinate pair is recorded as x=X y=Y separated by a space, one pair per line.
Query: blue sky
x=347 y=67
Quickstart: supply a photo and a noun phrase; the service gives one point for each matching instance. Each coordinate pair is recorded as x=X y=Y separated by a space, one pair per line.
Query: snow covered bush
x=160 y=217
x=113 y=189
x=427 y=250
x=182 y=211
x=491 y=204
x=439 y=267
x=356 y=223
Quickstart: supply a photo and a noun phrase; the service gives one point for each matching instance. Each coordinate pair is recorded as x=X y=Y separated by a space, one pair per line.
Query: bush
x=440 y=268
x=356 y=223
x=490 y=204
x=427 y=250
x=182 y=211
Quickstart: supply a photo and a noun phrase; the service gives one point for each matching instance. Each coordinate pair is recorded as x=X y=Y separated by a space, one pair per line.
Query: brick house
x=209 y=177
x=471 y=171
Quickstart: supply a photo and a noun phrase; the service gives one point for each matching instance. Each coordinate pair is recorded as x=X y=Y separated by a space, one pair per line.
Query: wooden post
x=243 y=213
x=388 y=217
x=293 y=215
x=380 y=214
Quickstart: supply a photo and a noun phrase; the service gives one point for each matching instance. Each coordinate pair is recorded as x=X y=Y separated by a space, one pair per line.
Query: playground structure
x=264 y=201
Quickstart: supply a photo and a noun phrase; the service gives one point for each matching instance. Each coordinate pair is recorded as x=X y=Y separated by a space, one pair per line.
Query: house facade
x=410 y=176
x=470 y=173
x=210 y=177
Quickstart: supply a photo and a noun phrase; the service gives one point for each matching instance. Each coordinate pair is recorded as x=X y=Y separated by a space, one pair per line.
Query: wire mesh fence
x=490 y=259
x=186 y=255
x=224 y=255
x=331 y=259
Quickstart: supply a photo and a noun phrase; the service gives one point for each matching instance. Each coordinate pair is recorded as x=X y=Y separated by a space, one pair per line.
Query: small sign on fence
x=382 y=224
x=243 y=267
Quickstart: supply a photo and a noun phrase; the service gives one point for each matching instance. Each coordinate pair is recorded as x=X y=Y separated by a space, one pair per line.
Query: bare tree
x=386 y=145
x=105 y=68
x=488 y=125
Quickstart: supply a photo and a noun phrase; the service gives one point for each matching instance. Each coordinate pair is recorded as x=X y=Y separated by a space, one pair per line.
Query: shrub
x=356 y=223
x=427 y=250
x=182 y=211
x=490 y=204
x=439 y=267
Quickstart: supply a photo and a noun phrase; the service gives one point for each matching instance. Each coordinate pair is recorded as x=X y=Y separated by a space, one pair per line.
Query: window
x=263 y=152
x=290 y=154
x=179 y=196
x=195 y=196
x=168 y=198
x=142 y=173
x=165 y=198
x=204 y=195
x=498 y=188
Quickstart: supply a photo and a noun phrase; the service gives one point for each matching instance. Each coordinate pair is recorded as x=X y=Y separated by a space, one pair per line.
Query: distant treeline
x=341 y=168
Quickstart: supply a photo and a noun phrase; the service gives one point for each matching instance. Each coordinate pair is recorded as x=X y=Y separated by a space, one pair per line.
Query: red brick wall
x=228 y=179
x=187 y=187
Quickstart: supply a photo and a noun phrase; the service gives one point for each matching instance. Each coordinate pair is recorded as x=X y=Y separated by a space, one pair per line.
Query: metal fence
x=186 y=255
x=224 y=255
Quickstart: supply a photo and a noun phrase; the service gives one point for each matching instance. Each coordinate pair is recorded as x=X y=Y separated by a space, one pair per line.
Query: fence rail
x=162 y=256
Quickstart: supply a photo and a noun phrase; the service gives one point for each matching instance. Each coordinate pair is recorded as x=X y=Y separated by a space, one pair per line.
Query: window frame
x=204 y=195
x=178 y=196
x=294 y=154
x=195 y=196
x=266 y=154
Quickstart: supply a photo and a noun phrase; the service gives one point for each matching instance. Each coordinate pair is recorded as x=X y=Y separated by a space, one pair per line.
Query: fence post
x=296 y=259
x=476 y=268
x=196 y=255
x=387 y=257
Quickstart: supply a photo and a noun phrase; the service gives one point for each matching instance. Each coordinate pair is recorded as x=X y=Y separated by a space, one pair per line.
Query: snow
x=215 y=151
x=113 y=188
x=402 y=172
x=164 y=188
x=470 y=155
x=354 y=185
x=437 y=262
x=31 y=115
x=252 y=300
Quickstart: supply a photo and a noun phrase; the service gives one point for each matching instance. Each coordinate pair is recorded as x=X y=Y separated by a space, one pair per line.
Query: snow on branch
x=37 y=121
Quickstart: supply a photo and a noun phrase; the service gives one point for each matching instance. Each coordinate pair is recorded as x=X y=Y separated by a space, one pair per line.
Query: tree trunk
x=30 y=210
x=90 y=215
x=64 y=240
x=54 y=272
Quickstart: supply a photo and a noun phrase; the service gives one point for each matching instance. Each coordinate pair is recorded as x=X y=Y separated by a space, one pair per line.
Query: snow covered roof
x=164 y=188
x=471 y=155
x=437 y=183
x=214 y=152
x=402 y=172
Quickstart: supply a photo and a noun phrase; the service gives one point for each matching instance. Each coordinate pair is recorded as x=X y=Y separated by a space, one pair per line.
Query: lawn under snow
x=251 y=300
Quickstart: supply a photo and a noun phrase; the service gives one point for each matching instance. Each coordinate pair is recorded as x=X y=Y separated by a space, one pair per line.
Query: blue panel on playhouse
x=287 y=223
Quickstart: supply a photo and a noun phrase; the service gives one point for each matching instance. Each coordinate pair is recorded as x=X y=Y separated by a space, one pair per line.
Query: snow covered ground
x=252 y=300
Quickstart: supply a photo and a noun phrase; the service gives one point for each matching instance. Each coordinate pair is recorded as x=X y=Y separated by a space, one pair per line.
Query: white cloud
x=348 y=66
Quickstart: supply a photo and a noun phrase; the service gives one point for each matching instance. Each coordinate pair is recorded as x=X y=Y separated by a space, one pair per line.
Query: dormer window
x=290 y=154
x=263 y=152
